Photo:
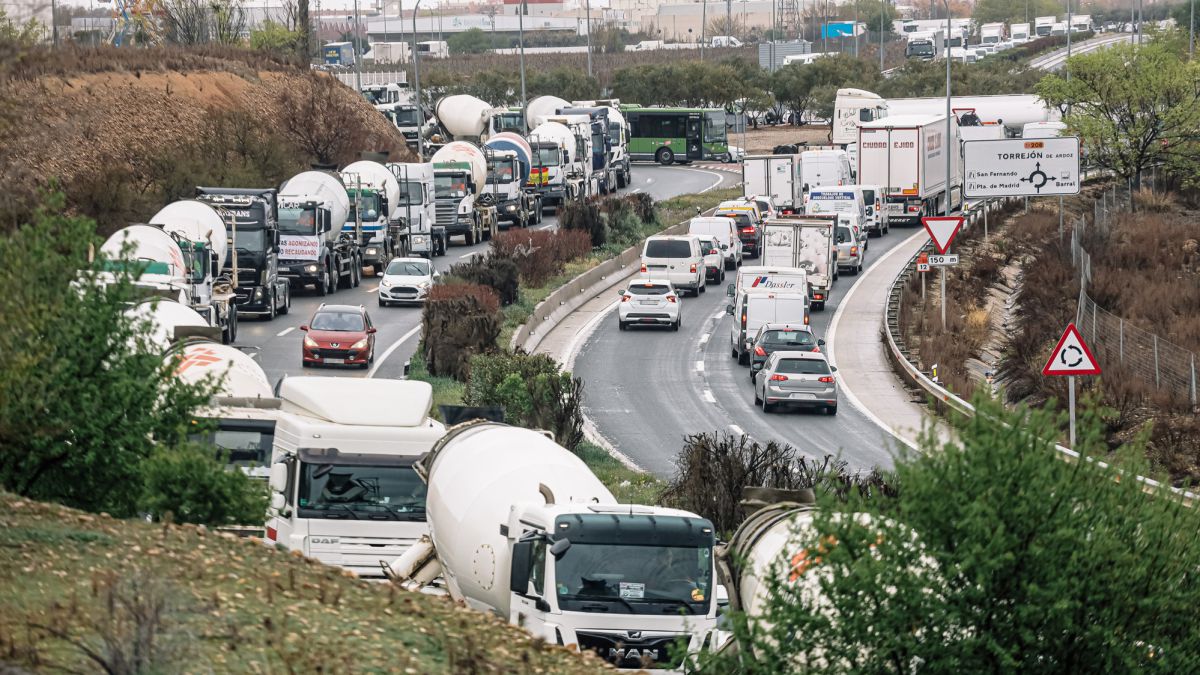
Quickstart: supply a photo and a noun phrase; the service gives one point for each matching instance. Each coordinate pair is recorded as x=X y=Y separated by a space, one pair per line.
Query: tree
x=870 y=10
x=796 y=84
x=27 y=34
x=473 y=41
x=186 y=21
x=572 y=84
x=1182 y=13
x=228 y=21
x=1133 y=107
x=87 y=398
x=995 y=556
x=316 y=117
x=273 y=37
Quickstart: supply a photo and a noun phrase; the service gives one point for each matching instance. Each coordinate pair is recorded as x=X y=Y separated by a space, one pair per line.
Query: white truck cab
x=343 y=487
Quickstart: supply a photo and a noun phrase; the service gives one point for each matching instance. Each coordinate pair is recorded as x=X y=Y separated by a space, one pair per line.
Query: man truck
x=251 y=218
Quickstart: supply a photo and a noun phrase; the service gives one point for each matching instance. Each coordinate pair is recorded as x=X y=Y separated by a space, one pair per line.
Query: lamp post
x=948 y=146
x=416 y=56
x=703 y=21
x=357 y=58
x=521 y=44
x=1191 y=28
x=882 y=16
x=588 y=10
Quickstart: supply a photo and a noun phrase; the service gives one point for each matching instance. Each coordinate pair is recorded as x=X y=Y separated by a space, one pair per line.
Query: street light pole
x=416 y=56
x=521 y=44
x=1192 y=29
x=357 y=56
x=1068 y=39
x=588 y=9
x=703 y=21
x=882 y=16
x=948 y=146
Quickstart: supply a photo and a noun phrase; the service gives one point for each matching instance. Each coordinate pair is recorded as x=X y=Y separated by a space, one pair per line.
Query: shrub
x=584 y=216
x=194 y=487
x=624 y=225
x=533 y=391
x=498 y=273
x=643 y=206
x=538 y=254
x=458 y=321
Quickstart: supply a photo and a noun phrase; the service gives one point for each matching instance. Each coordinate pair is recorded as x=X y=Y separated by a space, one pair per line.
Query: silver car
x=797 y=379
x=850 y=251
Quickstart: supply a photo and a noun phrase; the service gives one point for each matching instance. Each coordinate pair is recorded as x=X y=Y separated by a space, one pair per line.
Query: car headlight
x=423 y=284
x=361 y=344
x=385 y=284
x=309 y=342
x=311 y=268
x=372 y=251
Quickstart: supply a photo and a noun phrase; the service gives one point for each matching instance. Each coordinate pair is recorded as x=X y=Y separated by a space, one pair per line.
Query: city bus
x=669 y=135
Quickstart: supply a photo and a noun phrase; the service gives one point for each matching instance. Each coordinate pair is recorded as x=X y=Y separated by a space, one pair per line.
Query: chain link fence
x=1162 y=366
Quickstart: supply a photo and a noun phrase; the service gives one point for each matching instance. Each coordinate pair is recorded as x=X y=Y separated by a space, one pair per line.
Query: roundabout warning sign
x=1021 y=167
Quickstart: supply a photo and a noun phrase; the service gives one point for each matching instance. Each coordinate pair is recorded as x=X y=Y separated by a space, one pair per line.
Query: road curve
x=276 y=344
x=1057 y=59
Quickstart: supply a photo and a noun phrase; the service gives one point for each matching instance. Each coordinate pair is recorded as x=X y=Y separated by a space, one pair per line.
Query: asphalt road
x=1055 y=60
x=645 y=389
x=276 y=344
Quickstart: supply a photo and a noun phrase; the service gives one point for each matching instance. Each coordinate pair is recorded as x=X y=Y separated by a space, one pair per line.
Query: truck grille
x=625 y=652
x=447 y=213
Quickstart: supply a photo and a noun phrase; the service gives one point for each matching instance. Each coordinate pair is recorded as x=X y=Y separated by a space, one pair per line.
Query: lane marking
x=375 y=289
x=700 y=366
x=469 y=255
x=708 y=396
x=737 y=430
x=403 y=338
x=704 y=338
x=285 y=331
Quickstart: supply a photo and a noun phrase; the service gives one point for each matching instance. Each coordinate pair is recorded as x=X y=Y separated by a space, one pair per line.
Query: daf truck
x=906 y=155
x=251 y=218
x=520 y=527
x=344 y=488
x=313 y=248
x=1042 y=25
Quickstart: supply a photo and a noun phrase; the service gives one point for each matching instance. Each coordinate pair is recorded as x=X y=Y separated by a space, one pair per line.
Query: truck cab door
x=529 y=608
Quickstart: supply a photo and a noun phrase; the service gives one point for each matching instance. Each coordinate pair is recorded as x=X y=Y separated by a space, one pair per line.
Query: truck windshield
x=509 y=121
x=254 y=241
x=410 y=194
x=371 y=207
x=355 y=492
x=297 y=221
x=547 y=155
x=503 y=171
x=714 y=127
x=634 y=579
x=404 y=117
x=245 y=445
x=920 y=49
x=450 y=185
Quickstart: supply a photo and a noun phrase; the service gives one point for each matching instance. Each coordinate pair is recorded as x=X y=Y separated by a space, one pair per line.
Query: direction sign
x=1021 y=167
x=1071 y=356
x=943 y=260
x=942 y=230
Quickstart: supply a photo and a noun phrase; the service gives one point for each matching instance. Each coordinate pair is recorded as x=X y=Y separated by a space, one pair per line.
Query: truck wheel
x=229 y=335
x=665 y=156
x=272 y=305
x=356 y=273
x=287 y=299
x=622 y=181
x=323 y=283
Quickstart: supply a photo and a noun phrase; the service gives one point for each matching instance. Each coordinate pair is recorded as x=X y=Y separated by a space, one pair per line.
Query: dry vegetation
x=124 y=131
x=87 y=593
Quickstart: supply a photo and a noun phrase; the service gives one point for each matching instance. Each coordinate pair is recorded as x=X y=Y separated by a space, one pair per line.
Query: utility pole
x=882 y=16
x=950 y=144
x=521 y=43
x=703 y=22
x=416 y=56
x=588 y=9
x=357 y=56
x=1192 y=28
x=729 y=16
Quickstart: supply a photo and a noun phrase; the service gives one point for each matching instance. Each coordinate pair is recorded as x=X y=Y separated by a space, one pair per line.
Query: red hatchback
x=339 y=335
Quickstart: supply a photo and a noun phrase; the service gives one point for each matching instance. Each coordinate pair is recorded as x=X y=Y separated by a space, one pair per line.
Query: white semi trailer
x=313 y=248
x=906 y=156
x=343 y=485
x=521 y=528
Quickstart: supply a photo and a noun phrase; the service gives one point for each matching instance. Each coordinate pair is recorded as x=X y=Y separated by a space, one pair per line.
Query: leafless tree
x=304 y=26
x=289 y=14
x=322 y=120
x=186 y=21
x=228 y=21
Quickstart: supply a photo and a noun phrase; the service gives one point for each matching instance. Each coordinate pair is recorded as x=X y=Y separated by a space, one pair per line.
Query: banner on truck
x=294 y=247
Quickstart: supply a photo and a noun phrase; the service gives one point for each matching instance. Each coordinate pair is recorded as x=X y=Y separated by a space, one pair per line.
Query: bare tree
x=228 y=21
x=322 y=120
x=186 y=21
x=304 y=27
x=289 y=14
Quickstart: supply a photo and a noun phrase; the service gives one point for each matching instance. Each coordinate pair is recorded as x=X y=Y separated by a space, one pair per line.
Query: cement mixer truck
x=520 y=527
x=618 y=136
x=541 y=107
x=343 y=486
x=509 y=157
x=459 y=179
x=557 y=174
x=313 y=247
x=374 y=219
x=172 y=265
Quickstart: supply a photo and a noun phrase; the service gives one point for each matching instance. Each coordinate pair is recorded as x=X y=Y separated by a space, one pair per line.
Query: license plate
x=647 y=320
x=803 y=395
x=335 y=361
x=647 y=302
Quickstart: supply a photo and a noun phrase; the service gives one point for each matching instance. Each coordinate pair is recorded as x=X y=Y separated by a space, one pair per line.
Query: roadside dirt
x=760 y=141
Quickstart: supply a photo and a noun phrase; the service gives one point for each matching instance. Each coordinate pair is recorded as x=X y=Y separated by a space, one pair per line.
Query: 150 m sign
x=1021 y=167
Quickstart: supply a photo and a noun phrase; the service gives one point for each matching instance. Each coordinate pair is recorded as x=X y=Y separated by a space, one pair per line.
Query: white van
x=751 y=309
x=824 y=168
x=677 y=259
x=847 y=200
x=725 y=231
x=877 y=216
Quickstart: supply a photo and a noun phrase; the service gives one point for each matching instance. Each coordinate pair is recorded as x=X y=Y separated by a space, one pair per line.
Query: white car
x=406 y=280
x=714 y=260
x=649 y=302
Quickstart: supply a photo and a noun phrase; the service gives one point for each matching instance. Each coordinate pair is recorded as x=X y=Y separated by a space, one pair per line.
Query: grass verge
x=89 y=593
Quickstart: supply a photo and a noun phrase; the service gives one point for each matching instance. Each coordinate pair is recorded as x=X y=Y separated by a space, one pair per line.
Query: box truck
x=807 y=243
x=1043 y=25
x=906 y=155
x=776 y=177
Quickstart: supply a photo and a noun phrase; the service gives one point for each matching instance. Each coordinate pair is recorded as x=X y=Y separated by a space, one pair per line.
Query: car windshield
x=297 y=221
x=668 y=248
x=361 y=492
x=634 y=579
x=450 y=185
x=921 y=48
x=337 y=321
x=547 y=156
x=648 y=289
x=249 y=240
x=408 y=268
x=802 y=367
x=742 y=219
x=707 y=246
x=788 y=338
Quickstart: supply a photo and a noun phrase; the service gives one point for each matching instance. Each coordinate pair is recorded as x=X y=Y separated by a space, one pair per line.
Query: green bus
x=669 y=135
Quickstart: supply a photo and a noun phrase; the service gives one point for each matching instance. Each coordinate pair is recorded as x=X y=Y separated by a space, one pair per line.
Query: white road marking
x=635 y=191
x=708 y=396
x=254 y=355
x=403 y=338
x=737 y=430
x=374 y=289
x=285 y=331
x=468 y=255
x=720 y=314
x=704 y=338
x=700 y=366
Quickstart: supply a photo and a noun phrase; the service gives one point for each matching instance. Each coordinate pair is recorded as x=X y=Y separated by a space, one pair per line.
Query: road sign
x=922 y=267
x=1021 y=167
x=1071 y=356
x=942 y=230
x=943 y=260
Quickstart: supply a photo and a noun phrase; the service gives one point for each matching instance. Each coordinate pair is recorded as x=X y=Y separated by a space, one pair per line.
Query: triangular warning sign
x=1071 y=356
x=941 y=230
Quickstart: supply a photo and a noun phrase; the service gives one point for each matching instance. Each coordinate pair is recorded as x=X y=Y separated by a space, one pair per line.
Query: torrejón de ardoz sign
x=1021 y=167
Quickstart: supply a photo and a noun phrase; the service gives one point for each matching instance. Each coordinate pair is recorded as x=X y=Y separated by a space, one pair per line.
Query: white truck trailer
x=775 y=177
x=521 y=528
x=343 y=485
x=807 y=243
x=906 y=156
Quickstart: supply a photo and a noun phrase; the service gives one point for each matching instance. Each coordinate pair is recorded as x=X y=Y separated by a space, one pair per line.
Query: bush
x=194 y=487
x=584 y=216
x=712 y=470
x=643 y=206
x=533 y=391
x=458 y=321
x=538 y=254
x=499 y=274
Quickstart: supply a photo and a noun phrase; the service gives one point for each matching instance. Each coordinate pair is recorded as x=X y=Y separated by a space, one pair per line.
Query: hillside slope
x=184 y=599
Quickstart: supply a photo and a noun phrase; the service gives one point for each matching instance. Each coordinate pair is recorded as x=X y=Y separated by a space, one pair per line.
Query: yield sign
x=1071 y=356
x=942 y=229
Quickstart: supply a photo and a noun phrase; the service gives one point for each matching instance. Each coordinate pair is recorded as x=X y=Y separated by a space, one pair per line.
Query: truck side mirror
x=820 y=343
x=278 y=502
x=214 y=267
x=729 y=310
x=275 y=240
x=279 y=476
x=729 y=290
x=522 y=561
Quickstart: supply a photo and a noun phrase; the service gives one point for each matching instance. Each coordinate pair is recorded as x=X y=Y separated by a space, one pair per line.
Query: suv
x=675 y=259
x=649 y=302
x=802 y=379
x=773 y=337
x=338 y=335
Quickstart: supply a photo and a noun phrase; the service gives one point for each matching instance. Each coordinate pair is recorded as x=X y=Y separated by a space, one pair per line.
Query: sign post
x=942 y=230
x=923 y=266
x=1071 y=357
